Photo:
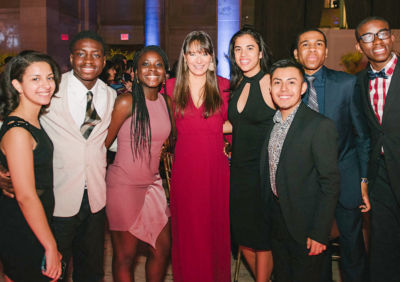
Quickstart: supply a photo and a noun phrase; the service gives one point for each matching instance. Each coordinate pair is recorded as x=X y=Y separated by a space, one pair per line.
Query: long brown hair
x=212 y=97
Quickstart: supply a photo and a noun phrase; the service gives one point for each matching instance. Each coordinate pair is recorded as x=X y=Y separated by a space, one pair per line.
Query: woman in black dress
x=250 y=111
x=28 y=249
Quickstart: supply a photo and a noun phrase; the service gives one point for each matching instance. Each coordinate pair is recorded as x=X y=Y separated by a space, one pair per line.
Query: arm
x=122 y=110
x=227 y=127
x=172 y=116
x=325 y=156
x=362 y=142
x=5 y=183
x=17 y=144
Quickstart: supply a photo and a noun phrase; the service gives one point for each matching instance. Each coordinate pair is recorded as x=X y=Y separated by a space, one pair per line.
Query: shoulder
x=310 y=116
x=170 y=86
x=171 y=82
x=123 y=100
x=18 y=135
x=103 y=87
x=223 y=85
x=339 y=76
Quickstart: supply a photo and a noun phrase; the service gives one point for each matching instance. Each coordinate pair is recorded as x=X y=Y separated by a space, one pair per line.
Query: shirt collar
x=319 y=75
x=278 y=116
x=78 y=85
x=389 y=67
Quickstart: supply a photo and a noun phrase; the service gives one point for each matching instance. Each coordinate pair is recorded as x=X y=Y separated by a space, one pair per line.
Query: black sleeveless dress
x=20 y=251
x=249 y=131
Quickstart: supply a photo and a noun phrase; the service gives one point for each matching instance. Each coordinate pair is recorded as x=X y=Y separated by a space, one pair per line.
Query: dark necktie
x=312 y=94
x=91 y=117
x=372 y=75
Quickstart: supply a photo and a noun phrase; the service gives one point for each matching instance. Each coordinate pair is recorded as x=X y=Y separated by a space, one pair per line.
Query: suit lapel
x=66 y=112
x=331 y=93
x=367 y=101
x=290 y=136
x=392 y=91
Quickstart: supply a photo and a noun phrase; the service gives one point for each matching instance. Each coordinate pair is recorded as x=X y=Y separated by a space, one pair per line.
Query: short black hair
x=296 y=45
x=86 y=34
x=287 y=63
x=367 y=20
x=154 y=48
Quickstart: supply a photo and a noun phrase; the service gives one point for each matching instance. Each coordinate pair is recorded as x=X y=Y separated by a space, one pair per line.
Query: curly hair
x=15 y=69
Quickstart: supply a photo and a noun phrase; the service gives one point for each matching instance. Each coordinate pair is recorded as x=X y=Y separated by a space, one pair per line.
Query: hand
x=5 y=183
x=366 y=206
x=227 y=149
x=128 y=85
x=315 y=247
x=53 y=264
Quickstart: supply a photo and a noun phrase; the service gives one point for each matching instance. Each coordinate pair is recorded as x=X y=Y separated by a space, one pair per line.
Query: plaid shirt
x=379 y=86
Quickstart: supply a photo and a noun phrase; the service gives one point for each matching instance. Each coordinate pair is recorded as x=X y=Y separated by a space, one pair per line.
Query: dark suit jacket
x=307 y=178
x=387 y=134
x=343 y=106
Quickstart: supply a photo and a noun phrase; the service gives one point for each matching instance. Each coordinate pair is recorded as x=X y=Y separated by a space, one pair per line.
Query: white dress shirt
x=77 y=99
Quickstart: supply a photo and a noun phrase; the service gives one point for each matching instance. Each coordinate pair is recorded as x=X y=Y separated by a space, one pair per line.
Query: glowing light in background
x=152 y=23
x=228 y=24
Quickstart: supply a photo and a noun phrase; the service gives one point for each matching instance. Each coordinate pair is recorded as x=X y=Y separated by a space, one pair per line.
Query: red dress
x=200 y=195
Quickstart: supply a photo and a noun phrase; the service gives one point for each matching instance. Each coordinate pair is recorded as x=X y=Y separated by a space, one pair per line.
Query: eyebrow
x=307 y=40
x=248 y=45
x=280 y=79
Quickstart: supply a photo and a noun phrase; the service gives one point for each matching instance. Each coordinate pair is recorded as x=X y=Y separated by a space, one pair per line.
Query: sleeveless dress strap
x=13 y=121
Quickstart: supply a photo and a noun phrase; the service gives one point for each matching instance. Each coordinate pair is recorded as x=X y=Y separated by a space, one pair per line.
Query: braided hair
x=140 y=123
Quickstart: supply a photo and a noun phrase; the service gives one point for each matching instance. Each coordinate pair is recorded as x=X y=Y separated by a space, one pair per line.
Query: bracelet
x=364 y=180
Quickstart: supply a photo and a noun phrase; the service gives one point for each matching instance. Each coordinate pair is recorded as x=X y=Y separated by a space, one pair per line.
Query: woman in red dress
x=200 y=173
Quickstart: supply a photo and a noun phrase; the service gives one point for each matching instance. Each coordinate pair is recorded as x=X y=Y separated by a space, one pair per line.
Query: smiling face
x=87 y=60
x=287 y=86
x=197 y=60
x=378 y=52
x=150 y=70
x=37 y=85
x=247 y=55
x=311 y=51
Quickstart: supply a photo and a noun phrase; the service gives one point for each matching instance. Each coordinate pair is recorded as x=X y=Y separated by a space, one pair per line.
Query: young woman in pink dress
x=137 y=208
x=200 y=173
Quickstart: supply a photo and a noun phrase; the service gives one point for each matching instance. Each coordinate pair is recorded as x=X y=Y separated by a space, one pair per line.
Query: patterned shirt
x=379 y=86
x=276 y=140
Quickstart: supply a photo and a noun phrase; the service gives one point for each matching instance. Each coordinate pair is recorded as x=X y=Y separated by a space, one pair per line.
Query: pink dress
x=136 y=200
x=200 y=196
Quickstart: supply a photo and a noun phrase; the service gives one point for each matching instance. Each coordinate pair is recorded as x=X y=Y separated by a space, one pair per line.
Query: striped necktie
x=312 y=94
x=91 y=117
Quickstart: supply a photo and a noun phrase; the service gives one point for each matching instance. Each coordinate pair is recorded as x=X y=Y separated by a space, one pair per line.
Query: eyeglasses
x=370 y=36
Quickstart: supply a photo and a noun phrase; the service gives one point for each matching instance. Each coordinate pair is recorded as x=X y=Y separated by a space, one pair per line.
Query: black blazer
x=387 y=134
x=307 y=177
x=343 y=106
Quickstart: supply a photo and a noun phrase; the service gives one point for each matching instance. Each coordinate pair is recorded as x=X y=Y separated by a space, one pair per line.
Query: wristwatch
x=364 y=180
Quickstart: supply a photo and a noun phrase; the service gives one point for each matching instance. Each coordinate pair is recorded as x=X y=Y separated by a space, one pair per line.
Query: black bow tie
x=372 y=75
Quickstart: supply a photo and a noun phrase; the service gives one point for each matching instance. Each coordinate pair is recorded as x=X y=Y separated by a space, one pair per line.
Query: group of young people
x=309 y=145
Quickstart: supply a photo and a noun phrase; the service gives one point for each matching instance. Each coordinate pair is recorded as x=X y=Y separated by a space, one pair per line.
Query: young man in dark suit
x=300 y=178
x=380 y=99
x=333 y=94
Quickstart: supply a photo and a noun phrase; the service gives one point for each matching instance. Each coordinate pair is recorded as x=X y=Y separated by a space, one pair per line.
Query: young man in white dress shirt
x=79 y=162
